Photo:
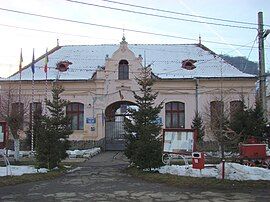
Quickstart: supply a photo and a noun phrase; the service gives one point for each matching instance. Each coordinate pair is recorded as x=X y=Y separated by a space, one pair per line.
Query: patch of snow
x=218 y=154
x=75 y=169
x=20 y=170
x=233 y=171
x=87 y=153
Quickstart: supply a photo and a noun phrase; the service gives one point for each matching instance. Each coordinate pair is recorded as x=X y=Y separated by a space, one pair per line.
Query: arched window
x=76 y=112
x=236 y=106
x=175 y=115
x=216 y=110
x=37 y=110
x=17 y=112
x=123 y=70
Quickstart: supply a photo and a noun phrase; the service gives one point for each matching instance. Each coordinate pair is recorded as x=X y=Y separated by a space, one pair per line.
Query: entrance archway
x=115 y=114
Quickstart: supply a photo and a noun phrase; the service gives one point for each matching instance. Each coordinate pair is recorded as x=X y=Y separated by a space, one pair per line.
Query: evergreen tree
x=54 y=130
x=250 y=122
x=141 y=131
x=197 y=123
x=258 y=121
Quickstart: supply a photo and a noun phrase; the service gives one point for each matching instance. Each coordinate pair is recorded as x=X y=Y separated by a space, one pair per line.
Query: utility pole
x=262 y=79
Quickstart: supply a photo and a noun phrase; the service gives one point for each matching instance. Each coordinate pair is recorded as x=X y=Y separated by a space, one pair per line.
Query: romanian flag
x=21 y=60
x=33 y=62
x=46 y=62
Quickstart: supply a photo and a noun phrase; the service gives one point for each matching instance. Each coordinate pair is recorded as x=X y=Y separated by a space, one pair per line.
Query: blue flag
x=33 y=62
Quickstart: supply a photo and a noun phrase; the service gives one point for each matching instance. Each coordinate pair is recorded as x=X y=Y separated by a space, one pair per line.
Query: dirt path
x=101 y=179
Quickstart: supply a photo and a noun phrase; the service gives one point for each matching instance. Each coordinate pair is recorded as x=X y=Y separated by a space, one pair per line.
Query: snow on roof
x=165 y=59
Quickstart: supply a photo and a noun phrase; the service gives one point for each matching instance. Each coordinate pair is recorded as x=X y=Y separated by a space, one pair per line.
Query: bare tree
x=217 y=116
x=14 y=110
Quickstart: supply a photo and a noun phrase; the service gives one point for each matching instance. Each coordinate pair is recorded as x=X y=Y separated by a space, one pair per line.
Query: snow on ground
x=20 y=170
x=233 y=171
x=87 y=153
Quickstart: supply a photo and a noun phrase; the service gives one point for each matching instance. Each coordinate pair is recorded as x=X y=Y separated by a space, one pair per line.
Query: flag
x=21 y=60
x=46 y=62
x=33 y=62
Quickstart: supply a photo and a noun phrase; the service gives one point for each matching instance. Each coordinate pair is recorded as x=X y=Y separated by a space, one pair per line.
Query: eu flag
x=33 y=62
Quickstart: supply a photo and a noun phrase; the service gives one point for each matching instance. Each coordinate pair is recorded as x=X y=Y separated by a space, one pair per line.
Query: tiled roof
x=165 y=59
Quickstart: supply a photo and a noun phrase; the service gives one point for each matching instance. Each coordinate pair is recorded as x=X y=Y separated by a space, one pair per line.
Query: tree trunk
x=222 y=150
x=16 y=149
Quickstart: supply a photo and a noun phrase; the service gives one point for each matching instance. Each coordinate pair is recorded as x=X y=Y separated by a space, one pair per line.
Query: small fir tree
x=197 y=123
x=141 y=131
x=54 y=130
x=249 y=122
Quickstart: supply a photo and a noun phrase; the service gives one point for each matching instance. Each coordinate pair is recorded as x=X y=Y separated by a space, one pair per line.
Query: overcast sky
x=27 y=32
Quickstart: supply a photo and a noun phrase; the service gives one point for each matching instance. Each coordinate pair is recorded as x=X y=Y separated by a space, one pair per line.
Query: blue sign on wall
x=90 y=120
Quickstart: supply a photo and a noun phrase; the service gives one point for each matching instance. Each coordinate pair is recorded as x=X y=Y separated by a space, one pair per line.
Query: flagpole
x=46 y=91
x=20 y=81
x=46 y=81
x=32 y=108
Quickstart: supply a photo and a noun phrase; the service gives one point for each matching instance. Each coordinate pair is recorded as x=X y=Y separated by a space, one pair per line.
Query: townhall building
x=99 y=81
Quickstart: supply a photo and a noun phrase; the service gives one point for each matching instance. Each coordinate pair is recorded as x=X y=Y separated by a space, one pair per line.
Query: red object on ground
x=198 y=160
x=253 y=151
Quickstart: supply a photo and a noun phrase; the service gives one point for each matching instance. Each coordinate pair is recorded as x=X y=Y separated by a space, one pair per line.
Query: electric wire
x=113 y=27
x=184 y=14
x=162 y=16
x=45 y=31
x=250 y=53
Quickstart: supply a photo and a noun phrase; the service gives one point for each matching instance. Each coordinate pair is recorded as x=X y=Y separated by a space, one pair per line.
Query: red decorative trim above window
x=62 y=66
x=188 y=64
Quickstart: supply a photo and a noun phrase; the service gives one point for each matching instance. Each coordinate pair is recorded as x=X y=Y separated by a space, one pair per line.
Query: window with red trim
x=76 y=112
x=175 y=115
x=216 y=111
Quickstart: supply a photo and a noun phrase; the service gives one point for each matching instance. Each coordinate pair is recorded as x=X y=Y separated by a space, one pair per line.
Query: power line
x=250 y=53
x=162 y=16
x=46 y=31
x=113 y=27
x=184 y=14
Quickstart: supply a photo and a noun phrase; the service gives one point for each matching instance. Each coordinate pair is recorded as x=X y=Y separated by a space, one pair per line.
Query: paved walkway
x=101 y=179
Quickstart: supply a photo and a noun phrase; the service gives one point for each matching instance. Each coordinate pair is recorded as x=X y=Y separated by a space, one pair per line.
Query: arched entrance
x=115 y=114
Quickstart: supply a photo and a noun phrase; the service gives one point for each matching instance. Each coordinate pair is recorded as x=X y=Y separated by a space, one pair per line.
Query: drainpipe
x=196 y=95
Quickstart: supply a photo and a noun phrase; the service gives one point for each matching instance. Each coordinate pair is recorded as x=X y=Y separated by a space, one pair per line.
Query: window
x=76 y=112
x=123 y=70
x=236 y=106
x=17 y=112
x=175 y=115
x=37 y=110
x=216 y=110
